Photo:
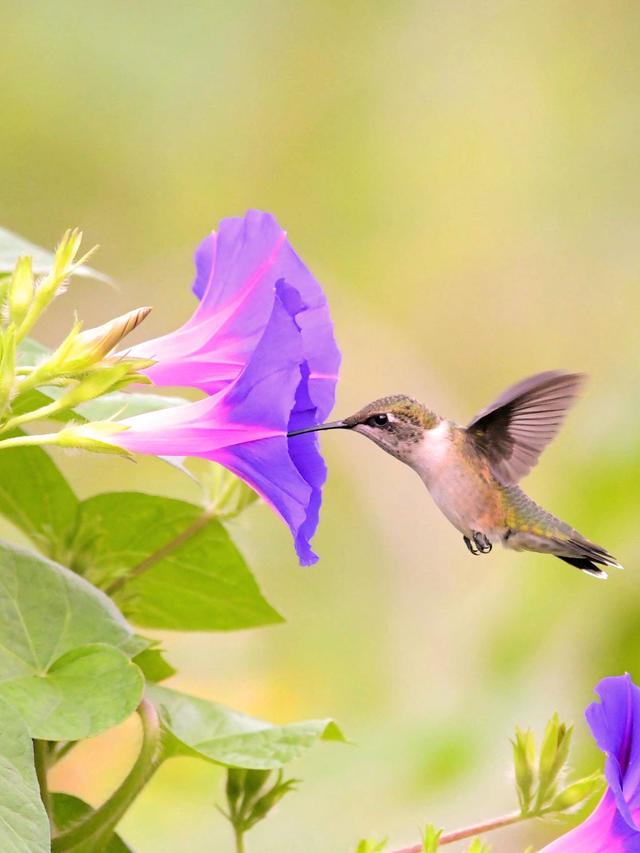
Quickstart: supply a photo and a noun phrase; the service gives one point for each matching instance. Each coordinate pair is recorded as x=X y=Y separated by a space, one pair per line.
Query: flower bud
x=574 y=795
x=524 y=753
x=554 y=753
x=84 y=349
x=20 y=290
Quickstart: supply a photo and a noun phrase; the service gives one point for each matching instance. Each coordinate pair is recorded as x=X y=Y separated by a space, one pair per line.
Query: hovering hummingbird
x=472 y=472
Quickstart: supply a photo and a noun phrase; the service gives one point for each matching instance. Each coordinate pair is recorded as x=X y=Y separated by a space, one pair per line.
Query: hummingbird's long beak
x=332 y=425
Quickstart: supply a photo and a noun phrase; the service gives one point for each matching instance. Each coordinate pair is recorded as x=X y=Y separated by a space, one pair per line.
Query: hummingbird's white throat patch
x=433 y=451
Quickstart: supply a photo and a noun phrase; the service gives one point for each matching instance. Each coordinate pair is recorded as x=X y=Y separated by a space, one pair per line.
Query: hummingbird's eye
x=378 y=420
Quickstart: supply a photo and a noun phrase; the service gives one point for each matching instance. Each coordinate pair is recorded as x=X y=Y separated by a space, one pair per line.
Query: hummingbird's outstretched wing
x=513 y=431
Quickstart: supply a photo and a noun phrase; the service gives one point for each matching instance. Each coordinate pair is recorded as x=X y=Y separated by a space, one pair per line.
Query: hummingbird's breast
x=460 y=482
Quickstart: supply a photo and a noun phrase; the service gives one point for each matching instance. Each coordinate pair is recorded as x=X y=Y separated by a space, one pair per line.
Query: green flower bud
x=20 y=290
x=367 y=845
x=554 y=753
x=430 y=839
x=524 y=754
x=576 y=794
x=87 y=348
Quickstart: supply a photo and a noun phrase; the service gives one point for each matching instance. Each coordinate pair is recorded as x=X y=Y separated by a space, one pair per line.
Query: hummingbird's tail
x=587 y=556
x=531 y=528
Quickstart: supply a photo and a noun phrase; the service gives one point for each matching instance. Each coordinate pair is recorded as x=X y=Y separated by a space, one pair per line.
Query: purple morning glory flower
x=614 y=827
x=260 y=345
x=237 y=270
x=244 y=425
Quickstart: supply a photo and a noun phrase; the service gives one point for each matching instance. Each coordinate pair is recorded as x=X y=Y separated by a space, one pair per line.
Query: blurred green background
x=464 y=178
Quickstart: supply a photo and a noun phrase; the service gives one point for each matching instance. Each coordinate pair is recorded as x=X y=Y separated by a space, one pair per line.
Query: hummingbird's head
x=397 y=424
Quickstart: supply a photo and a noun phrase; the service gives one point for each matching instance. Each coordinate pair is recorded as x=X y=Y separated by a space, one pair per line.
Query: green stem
x=95 y=831
x=61 y=750
x=41 y=760
x=35 y=415
x=29 y=440
x=470 y=831
x=239 y=836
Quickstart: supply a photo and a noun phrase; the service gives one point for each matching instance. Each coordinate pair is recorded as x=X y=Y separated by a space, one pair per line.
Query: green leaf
x=64 y=650
x=37 y=499
x=24 y=827
x=68 y=810
x=12 y=246
x=53 y=702
x=31 y=352
x=121 y=404
x=190 y=574
x=153 y=665
x=200 y=728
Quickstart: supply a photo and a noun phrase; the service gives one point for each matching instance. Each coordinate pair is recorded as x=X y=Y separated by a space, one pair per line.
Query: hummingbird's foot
x=482 y=543
x=470 y=546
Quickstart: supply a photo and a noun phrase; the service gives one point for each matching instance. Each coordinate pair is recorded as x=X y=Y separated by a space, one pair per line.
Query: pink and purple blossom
x=614 y=826
x=261 y=346
x=244 y=427
x=237 y=269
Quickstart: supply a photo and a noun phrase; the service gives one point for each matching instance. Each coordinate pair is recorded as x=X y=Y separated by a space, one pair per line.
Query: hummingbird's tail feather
x=594 y=552
x=585 y=555
x=585 y=566
x=532 y=528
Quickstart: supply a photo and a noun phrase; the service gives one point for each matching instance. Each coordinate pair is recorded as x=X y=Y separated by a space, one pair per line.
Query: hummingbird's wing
x=513 y=431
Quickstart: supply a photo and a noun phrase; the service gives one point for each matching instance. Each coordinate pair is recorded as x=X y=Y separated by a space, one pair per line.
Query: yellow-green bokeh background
x=464 y=178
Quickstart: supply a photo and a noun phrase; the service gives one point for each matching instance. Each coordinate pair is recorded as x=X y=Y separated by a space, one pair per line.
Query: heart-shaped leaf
x=186 y=572
x=24 y=827
x=211 y=731
x=64 y=650
x=37 y=499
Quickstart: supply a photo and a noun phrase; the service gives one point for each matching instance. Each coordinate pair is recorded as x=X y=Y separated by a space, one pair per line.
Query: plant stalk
x=92 y=833
x=471 y=831
x=239 y=836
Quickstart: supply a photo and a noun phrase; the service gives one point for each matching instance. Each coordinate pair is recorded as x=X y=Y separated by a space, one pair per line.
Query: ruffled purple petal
x=604 y=831
x=236 y=275
x=615 y=724
x=244 y=428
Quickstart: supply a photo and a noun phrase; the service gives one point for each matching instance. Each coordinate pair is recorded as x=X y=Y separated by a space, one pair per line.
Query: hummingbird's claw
x=482 y=543
x=469 y=545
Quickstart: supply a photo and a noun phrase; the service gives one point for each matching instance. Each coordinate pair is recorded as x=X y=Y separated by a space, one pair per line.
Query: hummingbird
x=472 y=472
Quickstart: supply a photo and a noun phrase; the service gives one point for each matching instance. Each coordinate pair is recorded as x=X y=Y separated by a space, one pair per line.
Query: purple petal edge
x=615 y=724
